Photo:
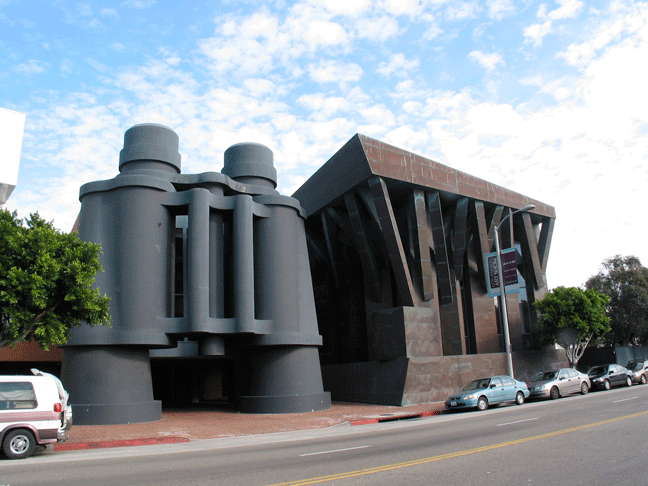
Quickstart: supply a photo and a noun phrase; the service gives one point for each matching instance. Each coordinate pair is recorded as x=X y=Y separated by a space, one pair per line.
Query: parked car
x=33 y=411
x=558 y=383
x=606 y=376
x=482 y=393
x=639 y=370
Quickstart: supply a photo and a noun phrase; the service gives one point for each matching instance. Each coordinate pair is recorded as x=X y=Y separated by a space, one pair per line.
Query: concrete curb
x=394 y=418
x=118 y=443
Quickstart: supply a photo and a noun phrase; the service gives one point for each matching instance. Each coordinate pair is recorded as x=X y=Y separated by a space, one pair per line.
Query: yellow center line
x=417 y=462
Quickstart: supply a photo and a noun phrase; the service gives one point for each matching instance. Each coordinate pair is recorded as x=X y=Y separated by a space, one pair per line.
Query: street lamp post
x=500 y=275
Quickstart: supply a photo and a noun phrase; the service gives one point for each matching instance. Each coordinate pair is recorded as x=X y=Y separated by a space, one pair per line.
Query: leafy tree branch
x=46 y=282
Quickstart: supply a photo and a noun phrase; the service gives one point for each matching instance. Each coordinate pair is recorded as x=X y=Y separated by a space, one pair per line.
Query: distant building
x=12 y=126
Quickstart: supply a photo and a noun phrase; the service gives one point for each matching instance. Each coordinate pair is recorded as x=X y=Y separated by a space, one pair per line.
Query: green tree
x=625 y=281
x=572 y=317
x=46 y=280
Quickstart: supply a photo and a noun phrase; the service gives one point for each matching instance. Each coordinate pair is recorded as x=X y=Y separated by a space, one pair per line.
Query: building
x=12 y=127
x=211 y=270
x=368 y=285
x=397 y=245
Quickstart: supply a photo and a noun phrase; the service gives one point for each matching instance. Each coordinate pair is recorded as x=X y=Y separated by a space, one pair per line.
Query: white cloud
x=379 y=113
x=109 y=12
x=398 y=65
x=323 y=33
x=335 y=72
x=462 y=10
x=139 y=4
x=377 y=29
x=537 y=32
x=344 y=7
x=487 y=61
x=581 y=54
x=401 y=7
x=117 y=46
x=568 y=9
x=499 y=9
x=322 y=106
x=31 y=67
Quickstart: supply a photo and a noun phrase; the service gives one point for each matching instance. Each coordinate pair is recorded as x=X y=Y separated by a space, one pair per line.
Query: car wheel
x=584 y=388
x=606 y=384
x=642 y=380
x=482 y=403
x=18 y=444
x=519 y=398
x=628 y=381
x=554 y=393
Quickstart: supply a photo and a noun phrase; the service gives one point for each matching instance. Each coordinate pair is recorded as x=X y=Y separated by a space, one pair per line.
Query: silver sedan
x=558 y=383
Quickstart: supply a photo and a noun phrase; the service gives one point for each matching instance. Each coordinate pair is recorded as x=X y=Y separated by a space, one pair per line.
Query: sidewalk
x=187 y=425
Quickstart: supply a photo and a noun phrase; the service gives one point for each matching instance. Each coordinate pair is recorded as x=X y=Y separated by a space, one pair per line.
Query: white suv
x=33 y=411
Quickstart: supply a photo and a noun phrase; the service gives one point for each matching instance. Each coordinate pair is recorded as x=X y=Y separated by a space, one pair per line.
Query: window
x=17 y=395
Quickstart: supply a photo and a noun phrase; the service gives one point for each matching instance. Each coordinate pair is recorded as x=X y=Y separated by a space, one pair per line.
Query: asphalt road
x=597 y=439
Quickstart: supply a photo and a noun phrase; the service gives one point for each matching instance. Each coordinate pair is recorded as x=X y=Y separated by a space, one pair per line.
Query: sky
x=546 y=98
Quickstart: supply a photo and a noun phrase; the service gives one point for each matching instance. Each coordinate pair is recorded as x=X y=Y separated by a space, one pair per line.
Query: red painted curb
x=395 y=418
x=118 y=443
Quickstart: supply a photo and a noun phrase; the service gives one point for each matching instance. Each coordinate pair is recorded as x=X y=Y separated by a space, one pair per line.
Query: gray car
x=639 y=370
x=558 y=383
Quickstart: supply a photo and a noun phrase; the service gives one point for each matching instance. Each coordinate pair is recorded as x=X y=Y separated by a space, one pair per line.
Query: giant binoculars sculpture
x=216 y=258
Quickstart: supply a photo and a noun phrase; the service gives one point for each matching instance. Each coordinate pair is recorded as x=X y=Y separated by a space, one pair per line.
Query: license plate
x=453 y=404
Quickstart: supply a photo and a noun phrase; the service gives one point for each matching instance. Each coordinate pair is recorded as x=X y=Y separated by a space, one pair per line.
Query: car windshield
x=634 y=365
x=598 y=370
x=478 y=384
x=545 y=375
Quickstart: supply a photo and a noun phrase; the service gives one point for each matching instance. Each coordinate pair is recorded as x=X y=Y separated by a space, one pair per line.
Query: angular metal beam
x=435 y=215
x=480 y=238
x=422 y=245
x=460 y=236
x=393 y=241
x=544 y=242
x=363 y=247
x=530 y=245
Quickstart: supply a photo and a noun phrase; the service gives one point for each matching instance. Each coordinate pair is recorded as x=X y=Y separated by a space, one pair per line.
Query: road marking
x=451 y=455
x=331 y=452
x=518 y=421
x=625 y=400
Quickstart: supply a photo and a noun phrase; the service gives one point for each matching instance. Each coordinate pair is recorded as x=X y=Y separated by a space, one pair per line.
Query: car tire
x=642 y=380
x=19 y=444
x=482 y=403
x=628 y=381
x=519 y=398
x=584 y=388
x=606 y=384
x=554 y=393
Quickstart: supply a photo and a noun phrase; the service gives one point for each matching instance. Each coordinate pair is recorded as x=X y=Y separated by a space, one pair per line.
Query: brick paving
x=182 y=425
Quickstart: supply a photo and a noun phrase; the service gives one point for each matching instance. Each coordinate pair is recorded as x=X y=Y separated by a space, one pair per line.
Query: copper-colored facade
x=397 y=245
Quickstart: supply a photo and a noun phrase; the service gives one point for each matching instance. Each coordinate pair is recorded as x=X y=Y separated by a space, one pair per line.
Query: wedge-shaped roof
x=363 y=157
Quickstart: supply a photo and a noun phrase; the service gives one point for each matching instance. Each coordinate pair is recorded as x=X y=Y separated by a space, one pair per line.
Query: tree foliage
x=572 y=317
x=625 y=281
x=46 y=280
